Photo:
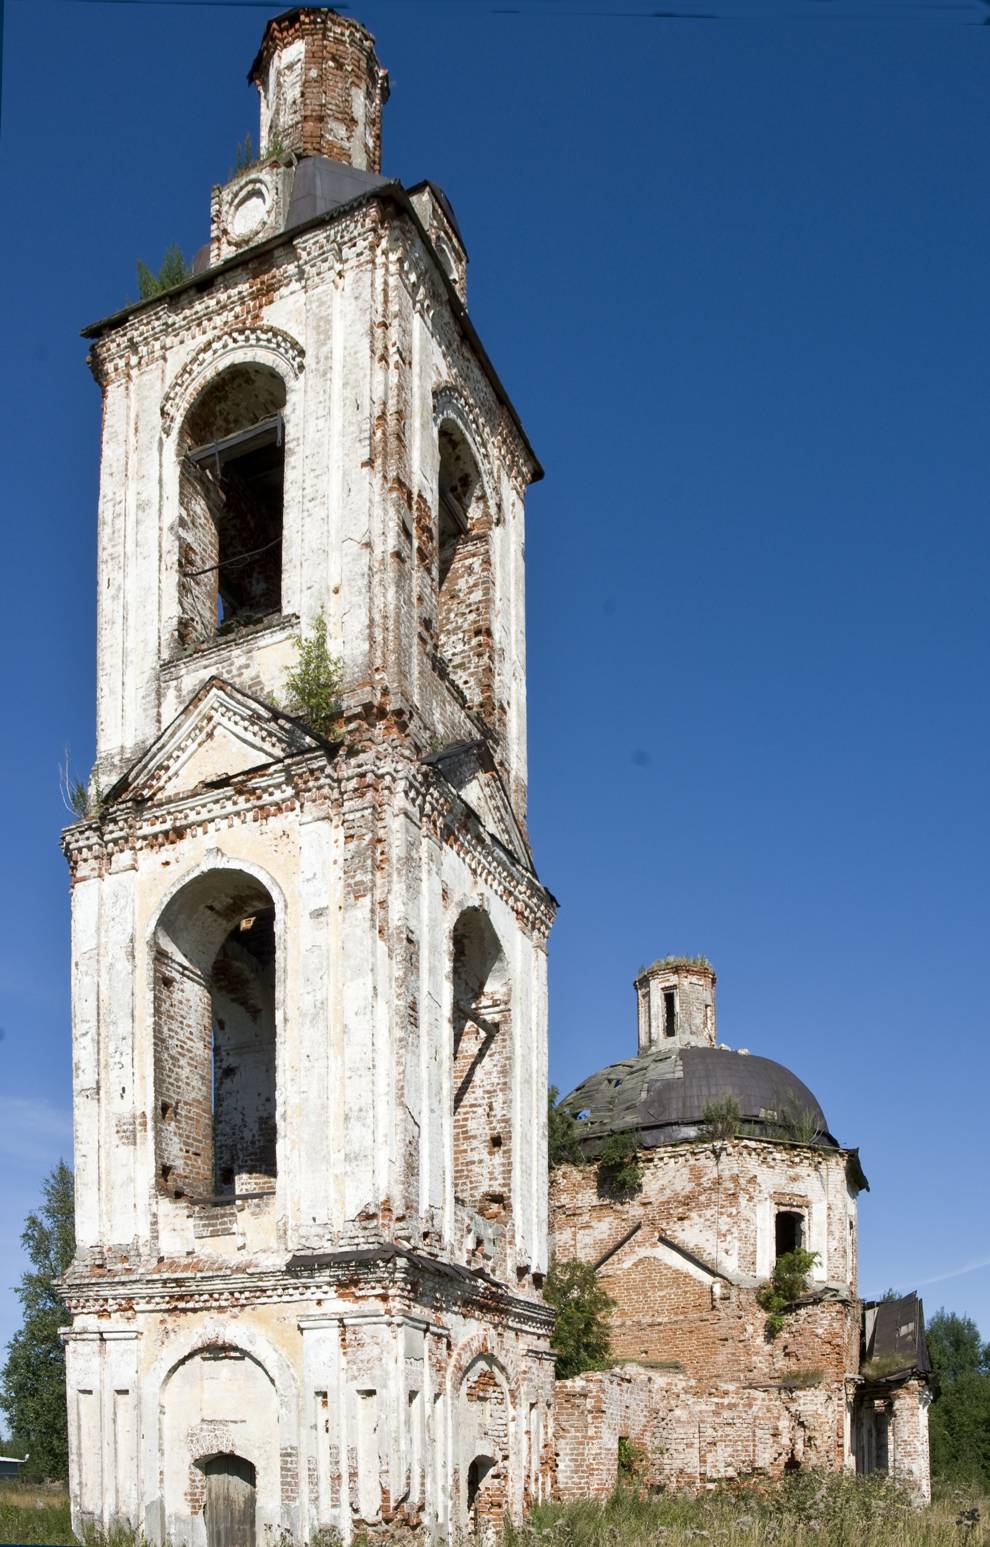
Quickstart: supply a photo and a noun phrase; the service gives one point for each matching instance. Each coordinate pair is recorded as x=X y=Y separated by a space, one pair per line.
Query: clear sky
x=734 y=273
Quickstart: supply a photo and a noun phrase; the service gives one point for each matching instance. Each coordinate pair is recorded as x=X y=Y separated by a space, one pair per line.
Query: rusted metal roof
x=662 y=1097
x=894 y=1345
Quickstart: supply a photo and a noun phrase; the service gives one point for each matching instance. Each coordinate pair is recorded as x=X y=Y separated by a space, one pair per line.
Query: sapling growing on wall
x=721 y=1120
x=81 y=800
x=620 y=1173
x=580 y=1338
x=174 y=271
x=785 y=1286
x=563 y=1148
x=313 y=684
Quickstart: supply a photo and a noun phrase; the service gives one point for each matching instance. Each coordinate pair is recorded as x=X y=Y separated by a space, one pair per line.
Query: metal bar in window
x=265 y=433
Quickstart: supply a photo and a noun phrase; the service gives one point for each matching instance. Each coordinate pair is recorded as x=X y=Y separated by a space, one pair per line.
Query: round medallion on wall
x=249 y=210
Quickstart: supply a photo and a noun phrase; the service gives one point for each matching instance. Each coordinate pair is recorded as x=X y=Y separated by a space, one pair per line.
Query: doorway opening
x=229 y=1507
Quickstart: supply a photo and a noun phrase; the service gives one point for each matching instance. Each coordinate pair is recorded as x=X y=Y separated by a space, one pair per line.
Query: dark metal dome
x=662 y=1096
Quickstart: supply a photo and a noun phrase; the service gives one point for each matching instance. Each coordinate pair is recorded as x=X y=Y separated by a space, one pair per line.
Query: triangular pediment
x=222 y=732
x=469 y=767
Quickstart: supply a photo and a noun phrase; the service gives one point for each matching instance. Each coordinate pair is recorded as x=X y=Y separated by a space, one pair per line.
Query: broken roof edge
x=825 y=1141
x=258 y=62
x=389 y=191
x=700 y=963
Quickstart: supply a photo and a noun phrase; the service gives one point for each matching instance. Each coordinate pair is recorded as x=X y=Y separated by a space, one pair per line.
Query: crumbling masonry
x=309 y=977
x=738 y=1169
x=309 y=974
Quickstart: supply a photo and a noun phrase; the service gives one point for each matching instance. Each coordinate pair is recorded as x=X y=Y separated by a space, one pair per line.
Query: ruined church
x=309 y=942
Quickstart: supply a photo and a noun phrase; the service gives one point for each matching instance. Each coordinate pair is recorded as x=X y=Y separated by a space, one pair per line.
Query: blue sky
x=734 y=274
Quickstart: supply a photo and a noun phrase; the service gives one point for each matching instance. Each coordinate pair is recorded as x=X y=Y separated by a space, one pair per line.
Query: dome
x=662 y=1095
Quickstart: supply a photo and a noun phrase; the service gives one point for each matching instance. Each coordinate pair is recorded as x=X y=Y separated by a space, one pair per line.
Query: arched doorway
x=229 y=1504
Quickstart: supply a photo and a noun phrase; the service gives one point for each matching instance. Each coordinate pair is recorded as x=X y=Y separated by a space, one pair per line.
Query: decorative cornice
x=387 y=1271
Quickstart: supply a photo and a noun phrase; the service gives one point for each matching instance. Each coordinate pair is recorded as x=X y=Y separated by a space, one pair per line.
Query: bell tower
x=309 y=942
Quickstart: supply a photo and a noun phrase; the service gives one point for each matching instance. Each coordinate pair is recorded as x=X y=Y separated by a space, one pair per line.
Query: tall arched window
x=482 y=1095
x=464 y=572
x=230 y=493
x=214 y=1038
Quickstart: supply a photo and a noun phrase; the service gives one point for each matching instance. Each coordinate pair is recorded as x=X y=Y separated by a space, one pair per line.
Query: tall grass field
x=807 y=1510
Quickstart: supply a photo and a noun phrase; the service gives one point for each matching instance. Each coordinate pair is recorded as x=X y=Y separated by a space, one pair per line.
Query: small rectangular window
x=788 y=1231
x=670 y=1012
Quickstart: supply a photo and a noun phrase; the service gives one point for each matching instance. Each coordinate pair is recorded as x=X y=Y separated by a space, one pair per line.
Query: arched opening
x=229 y=1511
x=215 y=995
x=483 y=1425
x=464 y=573
x=232 y=447
x=482 y=1096
x=477 y=1472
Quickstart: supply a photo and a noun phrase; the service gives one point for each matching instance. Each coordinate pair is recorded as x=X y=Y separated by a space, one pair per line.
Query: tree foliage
x=580 y=1338
x=959 y=1421
x=956 y=1348
x=313 y=683
x=721 y=1119
x=32 y=1382
x=174 y=271
x=620 y=1173
x=563 y=1148
x=786 y=1284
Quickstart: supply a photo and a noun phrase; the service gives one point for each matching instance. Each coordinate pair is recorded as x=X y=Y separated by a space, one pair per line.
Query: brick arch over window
x=260 y=344
x=482 y=1067
x=464 y=571
x=231 y=449
x=215 y=1012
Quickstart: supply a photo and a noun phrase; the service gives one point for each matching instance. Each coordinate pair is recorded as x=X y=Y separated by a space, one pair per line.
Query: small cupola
x=322 y=88
x=322 y=92
x=676 y=1003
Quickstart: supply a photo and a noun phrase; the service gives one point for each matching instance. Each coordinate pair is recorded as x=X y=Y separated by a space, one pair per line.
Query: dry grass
x=804 y=1511
x=34 y=1512
x=807 y=1510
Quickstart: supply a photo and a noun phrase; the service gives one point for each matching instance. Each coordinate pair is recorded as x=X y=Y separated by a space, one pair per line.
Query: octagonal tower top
x=322 y=88
x=676 y=1003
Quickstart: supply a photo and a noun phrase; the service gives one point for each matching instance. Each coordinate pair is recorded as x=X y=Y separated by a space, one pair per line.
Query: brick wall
x=481 y=1075
x=183 y=1044
x=322 y=88
x=691 y=1433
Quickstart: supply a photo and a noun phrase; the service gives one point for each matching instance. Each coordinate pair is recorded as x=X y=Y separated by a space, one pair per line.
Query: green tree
x=32 y=1382
x=955 y=1347
x=174 y=271
x=959 y=1422
x=620 y=1173
x=563 y=1148
x=313 y=683
x=786 y=1284
x=580 y=1338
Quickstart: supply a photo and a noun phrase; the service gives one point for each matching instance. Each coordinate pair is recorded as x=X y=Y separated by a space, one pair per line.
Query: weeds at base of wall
x=808 y=1509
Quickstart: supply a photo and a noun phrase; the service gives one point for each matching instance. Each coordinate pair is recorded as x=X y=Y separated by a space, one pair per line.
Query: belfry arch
x=215 y=996
x=481 y=1037
x=465 y=587
x=231 y=448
